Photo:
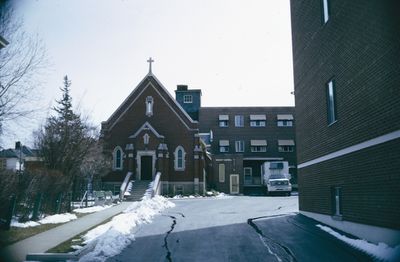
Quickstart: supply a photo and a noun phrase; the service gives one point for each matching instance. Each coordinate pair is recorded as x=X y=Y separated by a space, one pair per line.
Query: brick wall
x=359 y=47
x=370 y=184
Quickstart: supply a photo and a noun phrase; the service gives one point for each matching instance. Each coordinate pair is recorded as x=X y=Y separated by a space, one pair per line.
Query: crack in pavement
x=169 y=254
x=274 y=248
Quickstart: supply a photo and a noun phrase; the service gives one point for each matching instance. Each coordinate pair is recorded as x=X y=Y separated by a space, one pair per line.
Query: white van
x=276 y=177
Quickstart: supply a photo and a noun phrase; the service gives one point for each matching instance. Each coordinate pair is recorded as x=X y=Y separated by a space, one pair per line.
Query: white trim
x=139 y=162
x=115 y=158
x=162 y=97
x=176 y=159
x=371 y=233
x=146 y=126
x=372 y=142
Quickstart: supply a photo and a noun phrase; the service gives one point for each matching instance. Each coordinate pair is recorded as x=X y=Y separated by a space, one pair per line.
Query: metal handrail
x=156 y=185
x=124 y=185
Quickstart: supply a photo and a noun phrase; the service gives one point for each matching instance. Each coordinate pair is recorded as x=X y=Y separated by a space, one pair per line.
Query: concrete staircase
x=137 y=190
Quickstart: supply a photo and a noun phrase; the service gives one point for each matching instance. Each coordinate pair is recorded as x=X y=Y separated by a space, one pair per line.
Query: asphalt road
x=235 y=229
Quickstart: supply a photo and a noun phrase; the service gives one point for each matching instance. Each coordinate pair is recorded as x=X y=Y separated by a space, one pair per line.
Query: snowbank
x=54 y=219
x=111 y=238
x=380 y=251
x=209 y=195
x=91 y=209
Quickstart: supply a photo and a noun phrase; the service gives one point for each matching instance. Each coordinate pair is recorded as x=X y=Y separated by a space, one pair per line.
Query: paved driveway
x=235 y=229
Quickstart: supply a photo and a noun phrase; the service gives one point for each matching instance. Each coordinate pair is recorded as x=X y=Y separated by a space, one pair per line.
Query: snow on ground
x=209 y=195
x=59 y=218
x=91 y=209
x=380 y=251
x=111 y=238
x=54 y=219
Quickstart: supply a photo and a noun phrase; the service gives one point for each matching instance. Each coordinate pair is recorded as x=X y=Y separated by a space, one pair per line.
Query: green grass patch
x=65 y=247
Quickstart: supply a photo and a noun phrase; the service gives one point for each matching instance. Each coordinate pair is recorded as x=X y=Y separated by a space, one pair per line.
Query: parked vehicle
x=279 y=184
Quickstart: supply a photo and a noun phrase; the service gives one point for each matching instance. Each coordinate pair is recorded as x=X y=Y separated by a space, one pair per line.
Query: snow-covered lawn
x=58 y=218
x=111 y=238
x=380 y=251
x=54 y=219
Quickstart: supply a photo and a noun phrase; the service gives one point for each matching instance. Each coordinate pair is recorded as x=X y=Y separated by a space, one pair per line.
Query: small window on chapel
x=149 y=106
x=187 y=99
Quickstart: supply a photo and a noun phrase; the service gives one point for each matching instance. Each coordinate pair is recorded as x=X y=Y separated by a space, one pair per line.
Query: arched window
x=179 y=158
x=118 y=158
x=149 y=106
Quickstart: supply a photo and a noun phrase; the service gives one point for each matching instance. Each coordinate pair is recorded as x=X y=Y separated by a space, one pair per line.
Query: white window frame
x=121 y=161
x=149 y=106
x=331 y=102
x=239 y=146
x=286 y=149
x=221 y=173
x=337 y=195
x=224 y=149
x=223 y=123
x=250 y=174
x=258 y=149
x=239 y=121
x=257 y=123
x=285 y=123
x=176 y=160
x=325 y=10
x=187 y=99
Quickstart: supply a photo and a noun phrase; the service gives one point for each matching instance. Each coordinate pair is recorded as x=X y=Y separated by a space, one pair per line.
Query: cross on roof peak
x=150 y=61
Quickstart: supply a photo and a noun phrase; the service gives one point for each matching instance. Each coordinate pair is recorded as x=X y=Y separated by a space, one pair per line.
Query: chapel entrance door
x=146 y=168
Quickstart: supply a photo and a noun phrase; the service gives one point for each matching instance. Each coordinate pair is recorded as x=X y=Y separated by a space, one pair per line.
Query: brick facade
x=359 y=48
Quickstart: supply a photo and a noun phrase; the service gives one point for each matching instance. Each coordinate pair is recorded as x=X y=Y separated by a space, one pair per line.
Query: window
x=256 y=149
x=276 y=165
x=284 y=123
x=118 y=158
x=285 y=120
x=330 y=97
x=223 y=120
x=221 y=173
x=257 y=123
x=258 y=120
x=285 y=145
x=285 y=149
x=187 y=99
x=239 y=146
x=223 y=146
x=337 y=199
x=149 y=106
x=248 y=175
x=325 y=10
x=239 y=121
x=179 y=162
x=258 y=145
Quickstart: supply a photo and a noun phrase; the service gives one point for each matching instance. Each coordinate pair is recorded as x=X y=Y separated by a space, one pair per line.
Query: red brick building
x=346 y=58
x=151 y=132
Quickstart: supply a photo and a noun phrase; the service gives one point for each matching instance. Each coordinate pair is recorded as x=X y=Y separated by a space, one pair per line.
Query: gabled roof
x=146 y=126
x=152 y=82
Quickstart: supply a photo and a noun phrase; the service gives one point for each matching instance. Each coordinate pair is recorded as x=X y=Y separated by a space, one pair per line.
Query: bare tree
x=21 y=62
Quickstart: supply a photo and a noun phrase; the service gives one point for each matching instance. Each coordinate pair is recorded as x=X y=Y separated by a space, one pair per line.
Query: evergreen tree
x=65 y=139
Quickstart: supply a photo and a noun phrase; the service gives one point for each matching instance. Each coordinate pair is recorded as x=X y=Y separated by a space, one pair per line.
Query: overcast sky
x=238 y=52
